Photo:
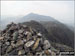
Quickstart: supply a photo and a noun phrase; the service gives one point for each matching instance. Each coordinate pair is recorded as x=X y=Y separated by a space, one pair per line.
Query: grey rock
x=19 y=42
x=15 y=35
x=46 y=44
x=29 y=43
x=20 y=52
x=26 y=49
x=20 y=31
x=7 y=43
x=38 y=49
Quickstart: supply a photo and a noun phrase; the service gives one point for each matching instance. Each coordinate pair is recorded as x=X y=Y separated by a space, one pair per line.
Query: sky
x=62 y=11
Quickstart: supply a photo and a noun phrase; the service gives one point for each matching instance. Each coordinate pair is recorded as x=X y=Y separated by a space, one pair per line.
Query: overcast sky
x=60 y=10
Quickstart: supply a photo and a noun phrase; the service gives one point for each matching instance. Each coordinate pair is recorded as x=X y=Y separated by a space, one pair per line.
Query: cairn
x=19 y=39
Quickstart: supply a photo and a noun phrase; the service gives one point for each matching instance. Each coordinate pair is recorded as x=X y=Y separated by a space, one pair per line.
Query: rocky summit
x=20 y=39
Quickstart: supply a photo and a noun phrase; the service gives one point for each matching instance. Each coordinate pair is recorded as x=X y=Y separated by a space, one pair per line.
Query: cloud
x=60 y=10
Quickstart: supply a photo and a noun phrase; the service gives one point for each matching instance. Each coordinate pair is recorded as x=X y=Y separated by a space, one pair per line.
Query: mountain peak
x=37 y=17
x=31 y=14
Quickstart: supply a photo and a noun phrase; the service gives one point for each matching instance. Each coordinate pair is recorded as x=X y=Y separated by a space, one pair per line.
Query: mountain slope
x=59 y=31
x=56 y=31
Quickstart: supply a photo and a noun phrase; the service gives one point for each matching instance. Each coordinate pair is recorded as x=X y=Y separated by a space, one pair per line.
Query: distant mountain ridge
x=36 y=17
x=28 y=17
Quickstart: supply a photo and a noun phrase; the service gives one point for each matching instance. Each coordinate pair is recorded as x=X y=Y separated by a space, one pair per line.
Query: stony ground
x=18 y=39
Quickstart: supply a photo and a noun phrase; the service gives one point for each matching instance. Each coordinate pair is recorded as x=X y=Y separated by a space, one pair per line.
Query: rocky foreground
x=18 y=39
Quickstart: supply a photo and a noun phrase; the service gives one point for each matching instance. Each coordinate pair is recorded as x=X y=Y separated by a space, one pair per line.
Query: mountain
x=52 y=29
x=59 y=36
x=70 y=27
x=6 y=20
x=60 y=32
x=36 y=17
x=54 y=32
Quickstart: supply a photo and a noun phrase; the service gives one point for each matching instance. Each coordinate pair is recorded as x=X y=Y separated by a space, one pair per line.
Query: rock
x=53 y=53
x=24 y=26
x=24 y=40
x=20 y=36
x=30 y=54
x=19 y=42
x=14 y=52
x=1 y=38
x=3 y=50
x=19 y=48
x=34 y=37
x=29 y=35
x=9 y=49
x=20 y=52
x=15 y=35
x=11 y=28
x=26 y=49
x=31 y=30
x=26 y=33
x=20 y=31
x=46 y=44
x=36 y=44
x=39 y=53
x=12 y=44
x=39 y=34
x=47 y=52
x=38 y=49
x=7 y=43
x=29 y=43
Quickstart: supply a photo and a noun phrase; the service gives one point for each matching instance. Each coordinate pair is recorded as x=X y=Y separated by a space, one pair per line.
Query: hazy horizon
x=62 y=11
